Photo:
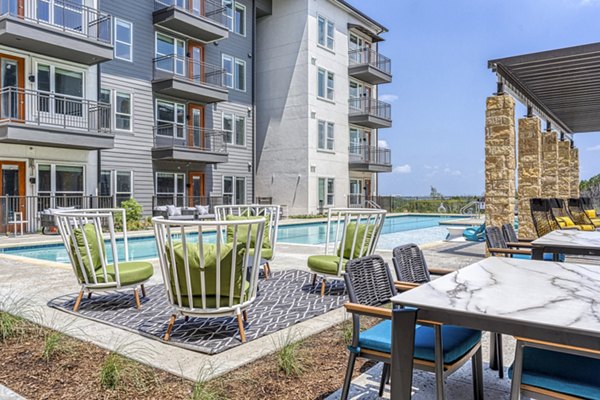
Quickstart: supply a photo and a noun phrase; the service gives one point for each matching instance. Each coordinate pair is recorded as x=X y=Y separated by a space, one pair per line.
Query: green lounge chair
x=82 y=232
x=351 y=233
x=209 y=280
x=271 y=213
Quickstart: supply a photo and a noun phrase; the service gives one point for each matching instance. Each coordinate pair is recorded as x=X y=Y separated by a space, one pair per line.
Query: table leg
x=403 y=348
x=537 y=253
x=493 y=352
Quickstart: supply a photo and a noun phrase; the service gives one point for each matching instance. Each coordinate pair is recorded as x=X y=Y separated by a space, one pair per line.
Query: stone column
x=500 y=160
x=530 y=171
x=574 y=172
x=564 y=169
x=549 y=165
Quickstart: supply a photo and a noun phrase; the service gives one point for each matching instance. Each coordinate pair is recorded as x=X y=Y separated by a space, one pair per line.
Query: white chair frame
x=337 y=220
x=68 y=221
x=258 y=210
x=226 y=305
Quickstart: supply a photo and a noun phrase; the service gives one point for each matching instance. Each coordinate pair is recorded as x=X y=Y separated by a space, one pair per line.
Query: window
x=105 y=183
x=123 y=40
x=57 y=12
x=170 y=119
x=355 y=191
x=325 y=84
x=170 y=54
x=325 y=141
x=326 y=195
x=105 y=116
x=116 y=184
x=169 y=183
x=235 y=132
x=60 y=179
x=354 y=141
x=240 y=75
x=227 y=64
x=63 y=90
x=234 y=190
x=240 y=19
x=326 y=32
x=123 y=111
x=228 y=5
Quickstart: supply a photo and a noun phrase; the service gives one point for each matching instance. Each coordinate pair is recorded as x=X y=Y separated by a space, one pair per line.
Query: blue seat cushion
x=561 y=372
x=456 y=341
x=547 y=257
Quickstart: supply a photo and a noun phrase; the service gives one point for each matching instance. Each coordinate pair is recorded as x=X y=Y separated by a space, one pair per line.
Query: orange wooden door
x=196 y=61
x=196 y=191
x=12 y=191
x=196 y=137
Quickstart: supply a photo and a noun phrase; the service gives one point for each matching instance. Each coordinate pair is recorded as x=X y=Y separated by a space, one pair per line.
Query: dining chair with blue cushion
x=549 y=371
x=370 y=287
x=499 y=247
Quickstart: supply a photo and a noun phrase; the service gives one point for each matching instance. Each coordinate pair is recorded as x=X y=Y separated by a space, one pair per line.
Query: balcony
x=189 y=79
x=369 y=66
x=46 y=119
x=369 y=112
x=57 y=28
x=203 y=20
x=370 y=159
x=179 y=143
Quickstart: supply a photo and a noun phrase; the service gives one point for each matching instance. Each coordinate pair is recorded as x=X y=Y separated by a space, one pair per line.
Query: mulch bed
x=74 y=372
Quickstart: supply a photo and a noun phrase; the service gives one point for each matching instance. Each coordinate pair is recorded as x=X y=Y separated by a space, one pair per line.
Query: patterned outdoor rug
x=284 y=300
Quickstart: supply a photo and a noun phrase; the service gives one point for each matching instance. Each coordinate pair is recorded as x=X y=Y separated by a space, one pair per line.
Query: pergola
x=560 y=87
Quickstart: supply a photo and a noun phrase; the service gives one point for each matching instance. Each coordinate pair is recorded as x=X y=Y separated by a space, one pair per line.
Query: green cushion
x=266 y=254
x=360 y=236
x=131 y=272
x=325 y=264
x=242 y=231
x=211 y=301
x=94 y=250
x=210 y=269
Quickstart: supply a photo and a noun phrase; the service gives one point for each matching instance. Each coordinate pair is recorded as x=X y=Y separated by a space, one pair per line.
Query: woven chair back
x=543 y=221
x=254 y=210
x=369 y=281
x=578 y=213
x=587 y=202
x=494 y=238
x=509 y=233
x=410 y=265
x=203 y=273
x=83 y=233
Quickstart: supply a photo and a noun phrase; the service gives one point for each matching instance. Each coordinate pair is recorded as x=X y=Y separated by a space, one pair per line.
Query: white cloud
x=403 y=169
x=594 y=148
x=453 y=172
x=388 y=98
x=383 y=144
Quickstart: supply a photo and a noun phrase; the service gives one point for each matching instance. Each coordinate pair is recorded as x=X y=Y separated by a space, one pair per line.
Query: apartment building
x=318 y=115
x=181 y=89
x=52 y=126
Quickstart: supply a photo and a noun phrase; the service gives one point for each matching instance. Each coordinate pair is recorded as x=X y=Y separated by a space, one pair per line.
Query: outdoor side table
x=530 y=299
x=575 y=242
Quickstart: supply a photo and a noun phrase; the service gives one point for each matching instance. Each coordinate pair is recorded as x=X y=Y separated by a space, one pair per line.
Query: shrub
x=133 y=215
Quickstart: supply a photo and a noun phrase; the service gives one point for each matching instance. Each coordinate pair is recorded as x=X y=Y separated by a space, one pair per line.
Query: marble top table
x=567 y=242
x=548 y=301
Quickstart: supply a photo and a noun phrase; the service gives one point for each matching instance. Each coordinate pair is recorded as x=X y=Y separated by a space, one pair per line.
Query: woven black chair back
x=509 y=233
x=543 y=221
x=557 y=207
x=494 y=238
x=410 y=265
x=587 y=203
x=577 y=212
x=369 y=281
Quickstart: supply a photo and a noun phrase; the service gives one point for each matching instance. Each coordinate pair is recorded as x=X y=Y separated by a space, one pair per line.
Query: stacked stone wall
x=549 y=165
x=530 y=171
x=564 y=169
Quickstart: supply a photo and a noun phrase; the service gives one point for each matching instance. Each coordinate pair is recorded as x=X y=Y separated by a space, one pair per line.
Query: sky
x=439 y=51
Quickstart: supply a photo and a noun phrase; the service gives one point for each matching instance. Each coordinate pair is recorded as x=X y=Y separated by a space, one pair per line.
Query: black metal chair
x=512 y=238
x=499 y=247
x=542 y=218
x=370 y=286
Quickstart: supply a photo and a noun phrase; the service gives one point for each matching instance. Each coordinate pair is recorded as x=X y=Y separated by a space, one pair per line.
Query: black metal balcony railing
x=64 y=15
x=181 y=200
x=185 y=137
x=53 y=110
x=367 y=56
x=211 y=10
x=370 y=106
x=370 y=155
x=172 y=66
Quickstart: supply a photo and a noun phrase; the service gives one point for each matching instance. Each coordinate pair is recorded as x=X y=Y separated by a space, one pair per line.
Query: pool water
x=396 y=231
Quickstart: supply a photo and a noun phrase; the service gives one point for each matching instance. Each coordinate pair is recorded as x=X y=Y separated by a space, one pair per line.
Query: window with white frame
x=227 y=64
x=326 y=191
x=239 y=23
x=228 y=5
x=234 y=72
x=234 y=190
x=325 y=135
x=170 y=54
x=325 y=82
x=170 y=183
x=235 y=129
x=116 y=184
x=54 y=180
x=326 y=32
x=106 y=98
x=123 y=40
x=170 y=119
x=240 y=75
x=123 y=111
x=62 y=89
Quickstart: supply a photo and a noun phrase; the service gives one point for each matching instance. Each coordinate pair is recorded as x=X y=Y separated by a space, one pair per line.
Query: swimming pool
x=396 y=230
